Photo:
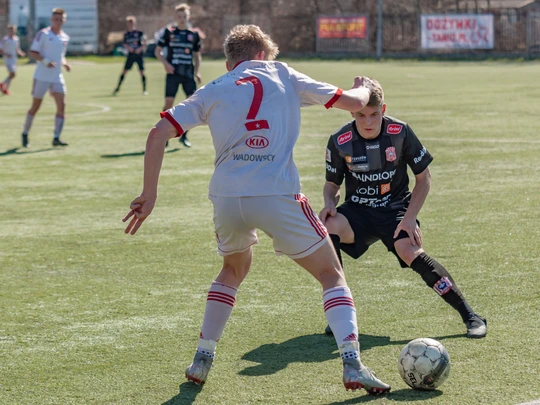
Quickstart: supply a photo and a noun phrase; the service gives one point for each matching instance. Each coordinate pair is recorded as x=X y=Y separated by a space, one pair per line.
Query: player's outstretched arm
x=142 y=206
x=353 y=100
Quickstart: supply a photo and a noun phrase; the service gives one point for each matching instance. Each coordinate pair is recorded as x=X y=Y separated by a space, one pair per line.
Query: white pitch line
x=102 y=109
x=537 y=402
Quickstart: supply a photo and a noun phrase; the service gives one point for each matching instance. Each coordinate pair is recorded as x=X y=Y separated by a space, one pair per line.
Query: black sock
x=143 y=78
x=336 y=241
x=438 y=278
x=120 y=82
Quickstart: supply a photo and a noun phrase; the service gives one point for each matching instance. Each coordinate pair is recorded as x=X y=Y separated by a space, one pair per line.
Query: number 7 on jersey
x=254 y=124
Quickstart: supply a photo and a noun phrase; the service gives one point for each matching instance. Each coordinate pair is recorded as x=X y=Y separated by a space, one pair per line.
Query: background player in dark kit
x=134 y=42
x=183 y=59
x=372 y=153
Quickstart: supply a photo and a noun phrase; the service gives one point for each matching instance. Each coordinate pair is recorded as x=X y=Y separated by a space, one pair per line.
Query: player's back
x=254 y=117
x=255 y=122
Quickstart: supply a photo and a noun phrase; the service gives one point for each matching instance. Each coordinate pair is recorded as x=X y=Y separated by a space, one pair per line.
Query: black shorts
x=173 y=81
x=370 y=226
x=134 y=58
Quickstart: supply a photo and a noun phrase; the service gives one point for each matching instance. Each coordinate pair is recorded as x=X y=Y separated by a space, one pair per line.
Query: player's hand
x=140 y=208
x=169 y=68
x=413 y=230
x=67 y=67
x=22 y=54
x=51 y=64
x=327 y=212
x=198 y=78
x=362 y=81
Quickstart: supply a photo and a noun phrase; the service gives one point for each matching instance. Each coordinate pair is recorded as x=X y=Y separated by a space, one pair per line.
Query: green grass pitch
x=89 y=315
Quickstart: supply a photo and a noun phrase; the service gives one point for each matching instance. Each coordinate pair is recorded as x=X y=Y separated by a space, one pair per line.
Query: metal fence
x=516 y=34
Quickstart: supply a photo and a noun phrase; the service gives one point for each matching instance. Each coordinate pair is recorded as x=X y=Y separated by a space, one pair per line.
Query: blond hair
x=183 y=7
x=244 y=42
x=60 y=11
x=13 y=27
x=131 y=18
x=377 y=95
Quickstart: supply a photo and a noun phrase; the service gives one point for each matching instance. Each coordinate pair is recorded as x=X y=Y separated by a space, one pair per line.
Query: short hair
x=245 y=41
x=183 y=7
x=12 y=26
x=376 y=98
x=59 y=11
x=131 y=18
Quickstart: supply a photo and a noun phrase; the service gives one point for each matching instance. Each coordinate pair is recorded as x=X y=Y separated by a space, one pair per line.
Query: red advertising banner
x=342 y=27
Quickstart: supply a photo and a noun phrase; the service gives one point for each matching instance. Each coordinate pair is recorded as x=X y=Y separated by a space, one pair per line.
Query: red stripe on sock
x=339 y=305
x=220 y=300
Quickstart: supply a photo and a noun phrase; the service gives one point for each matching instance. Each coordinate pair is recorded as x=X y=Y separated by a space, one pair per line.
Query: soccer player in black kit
x=183 y=59
x=134 y=42
x=372 y=153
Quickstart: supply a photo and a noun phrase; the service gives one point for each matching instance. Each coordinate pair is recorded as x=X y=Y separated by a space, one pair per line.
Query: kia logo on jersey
x=344 y=138
x=394 y=129
x=257 y=142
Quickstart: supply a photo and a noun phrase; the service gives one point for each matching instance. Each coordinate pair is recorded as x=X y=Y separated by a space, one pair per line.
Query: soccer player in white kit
x=10 y=48
x=253 y=113
x=49 y=50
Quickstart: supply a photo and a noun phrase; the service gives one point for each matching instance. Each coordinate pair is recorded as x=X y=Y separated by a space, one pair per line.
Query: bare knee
x=35 y=107
x=339 y=225
x=12 y=75
x=406 y=251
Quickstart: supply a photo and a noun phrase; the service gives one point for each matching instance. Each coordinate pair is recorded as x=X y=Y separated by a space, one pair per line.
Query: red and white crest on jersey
x=385 y=188
x=394 y=129
x=391 y=154
x=190 y=37
x=344 y=138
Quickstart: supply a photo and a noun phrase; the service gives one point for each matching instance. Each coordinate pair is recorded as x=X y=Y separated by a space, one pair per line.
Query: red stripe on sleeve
x=335 y=98
x=169 y=117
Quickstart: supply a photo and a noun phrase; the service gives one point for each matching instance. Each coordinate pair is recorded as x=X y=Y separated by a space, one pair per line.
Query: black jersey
x=134 y=39
x=375 y=170
x=180 y=47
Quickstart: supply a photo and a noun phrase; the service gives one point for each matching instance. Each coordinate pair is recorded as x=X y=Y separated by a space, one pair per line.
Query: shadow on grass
x=398 y=396
x=186 y=396
x=23 y=151
x=141 y=153
x=314 y=348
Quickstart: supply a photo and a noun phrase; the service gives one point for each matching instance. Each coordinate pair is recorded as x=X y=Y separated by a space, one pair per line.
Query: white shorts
x=288 y=219
x=40 y=87
x=11 y=64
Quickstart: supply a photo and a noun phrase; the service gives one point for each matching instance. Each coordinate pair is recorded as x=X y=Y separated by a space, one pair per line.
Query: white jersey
x=253 y=113
x=53 y=47
x=9 y=46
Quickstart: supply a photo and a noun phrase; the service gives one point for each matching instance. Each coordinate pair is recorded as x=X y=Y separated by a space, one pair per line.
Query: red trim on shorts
x=305 y=250
x=169 y=117
x=237 y=250
x=335 y=98
x=310 y=215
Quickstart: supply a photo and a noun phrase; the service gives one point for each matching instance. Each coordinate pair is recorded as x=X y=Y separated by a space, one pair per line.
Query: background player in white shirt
x=10 y=48
x=49 y=50
x=253 y=113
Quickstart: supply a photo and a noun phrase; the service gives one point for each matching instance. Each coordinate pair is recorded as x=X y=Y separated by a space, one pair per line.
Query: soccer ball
x=424 y=364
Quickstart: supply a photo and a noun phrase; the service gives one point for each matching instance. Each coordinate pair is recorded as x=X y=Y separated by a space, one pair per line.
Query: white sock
x=341 y=316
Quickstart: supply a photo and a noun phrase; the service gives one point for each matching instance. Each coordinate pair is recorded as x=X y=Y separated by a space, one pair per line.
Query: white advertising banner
x=457 y=31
